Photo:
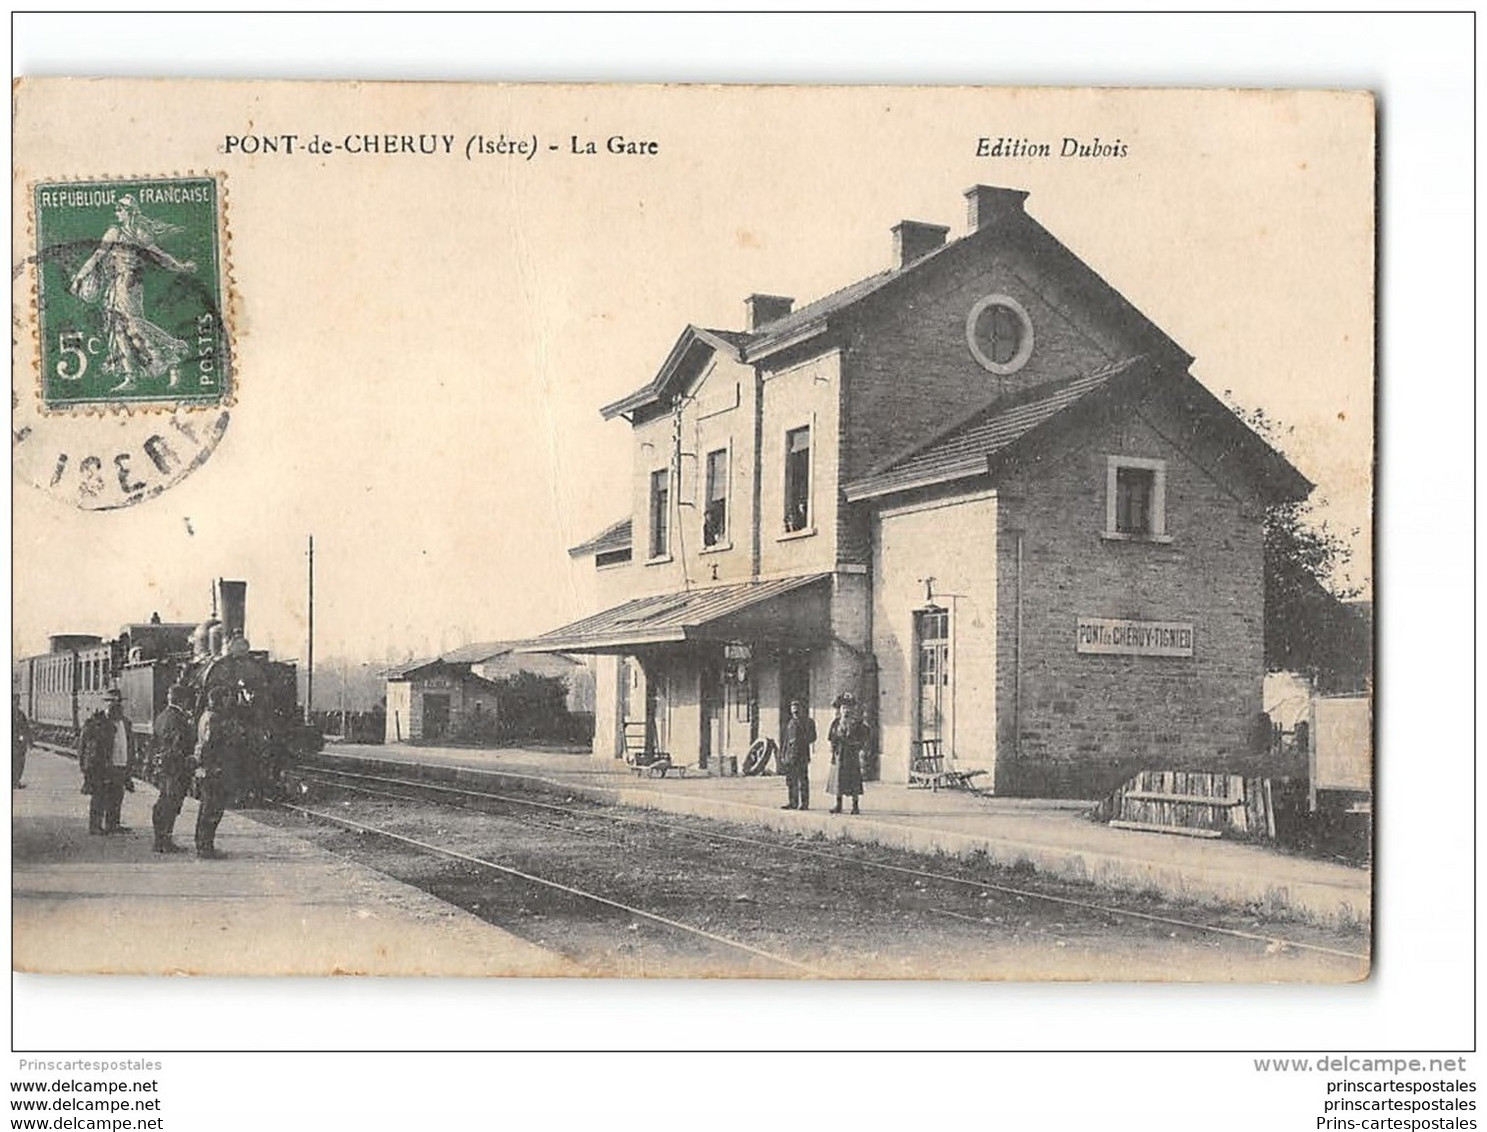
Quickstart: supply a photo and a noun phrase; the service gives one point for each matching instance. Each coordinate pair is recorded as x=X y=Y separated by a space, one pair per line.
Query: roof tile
x=963 y=448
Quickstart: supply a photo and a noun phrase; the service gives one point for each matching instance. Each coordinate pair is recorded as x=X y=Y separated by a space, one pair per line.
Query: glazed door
x=936 y=692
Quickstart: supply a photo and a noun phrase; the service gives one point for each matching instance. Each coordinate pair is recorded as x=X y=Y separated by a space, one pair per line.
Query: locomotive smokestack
x=233 y=601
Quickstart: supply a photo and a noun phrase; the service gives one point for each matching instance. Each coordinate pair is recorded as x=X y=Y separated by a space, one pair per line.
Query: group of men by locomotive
x=210 y=759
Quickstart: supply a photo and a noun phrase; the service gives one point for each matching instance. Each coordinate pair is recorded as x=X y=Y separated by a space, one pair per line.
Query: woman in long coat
x=849 y=736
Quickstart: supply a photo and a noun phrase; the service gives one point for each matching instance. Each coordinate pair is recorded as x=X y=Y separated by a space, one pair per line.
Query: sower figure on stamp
x=215 y=737
x=849 y=737
x=113 y=276
x=20 y=743
x=105 y=752
x=174 y=743
x=795 y=756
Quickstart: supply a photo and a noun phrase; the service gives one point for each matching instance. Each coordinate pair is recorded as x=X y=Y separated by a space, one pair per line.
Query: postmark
x=128 y=380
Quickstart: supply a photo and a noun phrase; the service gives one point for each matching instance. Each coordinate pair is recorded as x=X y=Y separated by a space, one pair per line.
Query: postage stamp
x=124 y=382
x=129 y=293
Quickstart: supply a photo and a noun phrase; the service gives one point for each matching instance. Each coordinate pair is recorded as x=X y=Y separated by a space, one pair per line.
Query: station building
x=980 y=489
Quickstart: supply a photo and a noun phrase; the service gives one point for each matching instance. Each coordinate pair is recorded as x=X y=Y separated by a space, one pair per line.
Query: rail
x=1269 y=940
x=532 y=878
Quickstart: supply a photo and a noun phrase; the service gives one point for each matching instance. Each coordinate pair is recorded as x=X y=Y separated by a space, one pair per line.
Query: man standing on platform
x=174 y=742
x=795 y=756
x=213 y=736
x=105 y=752
x=20 y=743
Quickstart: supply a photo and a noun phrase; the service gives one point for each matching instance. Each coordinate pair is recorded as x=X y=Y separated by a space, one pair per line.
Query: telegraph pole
x=310 y=680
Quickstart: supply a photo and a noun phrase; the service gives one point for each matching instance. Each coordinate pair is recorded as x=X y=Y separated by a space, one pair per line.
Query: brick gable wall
x=907 y=371
x=1086 y=722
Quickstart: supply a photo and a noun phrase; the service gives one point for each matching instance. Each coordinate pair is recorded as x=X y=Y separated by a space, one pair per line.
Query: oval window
x=1000 y=334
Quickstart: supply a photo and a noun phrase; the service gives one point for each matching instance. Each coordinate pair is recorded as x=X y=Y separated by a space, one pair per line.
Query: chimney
x=764 y=309
x=913 y=239
x=989 y=204
x=233 y=599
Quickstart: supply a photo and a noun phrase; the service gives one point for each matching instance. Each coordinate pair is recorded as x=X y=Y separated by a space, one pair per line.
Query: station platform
x=1051 y=836
x=276 y=906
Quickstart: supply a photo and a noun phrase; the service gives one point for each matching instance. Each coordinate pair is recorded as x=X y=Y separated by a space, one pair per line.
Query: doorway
x=795 y=681
x=710 y=693
x=935 y=707
x=435 y=715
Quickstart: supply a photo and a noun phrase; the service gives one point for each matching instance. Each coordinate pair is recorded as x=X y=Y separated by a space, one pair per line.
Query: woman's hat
x=844 y=698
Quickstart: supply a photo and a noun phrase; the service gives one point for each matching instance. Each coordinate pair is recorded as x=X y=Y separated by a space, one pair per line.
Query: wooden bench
x=927 y=769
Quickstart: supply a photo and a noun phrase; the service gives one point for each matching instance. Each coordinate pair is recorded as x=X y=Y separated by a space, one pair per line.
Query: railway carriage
x=60 y=689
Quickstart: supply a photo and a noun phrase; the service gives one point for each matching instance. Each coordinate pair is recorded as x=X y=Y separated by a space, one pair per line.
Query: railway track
x=715 y=938
x=391 y=787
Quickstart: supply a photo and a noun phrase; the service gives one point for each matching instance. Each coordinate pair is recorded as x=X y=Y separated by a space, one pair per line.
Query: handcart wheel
x=756 y=761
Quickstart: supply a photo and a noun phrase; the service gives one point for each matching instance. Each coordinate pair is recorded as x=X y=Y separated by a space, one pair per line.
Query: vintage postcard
x=681 y=531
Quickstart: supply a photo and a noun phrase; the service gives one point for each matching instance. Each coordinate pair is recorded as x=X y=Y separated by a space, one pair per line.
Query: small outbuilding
x=462 y=693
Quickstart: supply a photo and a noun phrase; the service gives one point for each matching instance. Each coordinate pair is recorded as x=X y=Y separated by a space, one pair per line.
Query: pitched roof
x=539 y=664
x=464 y=656
x=968 y=447
x=674 y=616
x=738 y=339
x=408 y=667
x=964 y=447
x=690 y=339
x=827 y=305
x=807 y=320
x=475 y=653
x=616 y=536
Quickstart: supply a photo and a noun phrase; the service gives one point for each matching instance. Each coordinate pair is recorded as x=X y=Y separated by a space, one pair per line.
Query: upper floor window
x=715 y=510
x=1136 y=499
x=660 y=513
x=1134 y=488
x=798 y=479
x=1000 y=334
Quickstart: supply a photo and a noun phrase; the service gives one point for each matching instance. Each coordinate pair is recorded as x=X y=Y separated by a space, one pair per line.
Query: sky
x=423 y=342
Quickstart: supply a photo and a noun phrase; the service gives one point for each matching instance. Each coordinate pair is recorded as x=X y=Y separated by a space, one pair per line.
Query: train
x=60 y=689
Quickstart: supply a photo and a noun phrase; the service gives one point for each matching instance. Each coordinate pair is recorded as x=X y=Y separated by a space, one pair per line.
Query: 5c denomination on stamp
x=132 y=374
x=129 y=293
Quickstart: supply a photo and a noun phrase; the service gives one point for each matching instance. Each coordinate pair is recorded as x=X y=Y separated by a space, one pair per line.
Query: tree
x=1309 y=627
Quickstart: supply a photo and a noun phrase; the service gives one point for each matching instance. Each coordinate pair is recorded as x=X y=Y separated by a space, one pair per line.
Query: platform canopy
x=791 y=611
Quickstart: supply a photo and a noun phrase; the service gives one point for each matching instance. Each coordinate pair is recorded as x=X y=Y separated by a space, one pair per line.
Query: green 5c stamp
x=123 y=383
x=129 y=293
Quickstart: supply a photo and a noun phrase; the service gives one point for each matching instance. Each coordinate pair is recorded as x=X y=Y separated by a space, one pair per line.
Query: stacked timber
x=1193 y=803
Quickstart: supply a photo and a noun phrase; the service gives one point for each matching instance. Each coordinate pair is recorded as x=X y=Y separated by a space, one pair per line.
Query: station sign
x=1109 y=636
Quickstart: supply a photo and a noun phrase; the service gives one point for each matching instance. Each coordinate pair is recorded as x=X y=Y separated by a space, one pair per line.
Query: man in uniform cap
x=213 y=735
x=105 y=752
x=174 y=741
x=795 y=756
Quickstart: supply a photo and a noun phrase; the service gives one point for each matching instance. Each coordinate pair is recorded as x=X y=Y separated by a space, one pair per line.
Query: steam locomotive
x=62 y=688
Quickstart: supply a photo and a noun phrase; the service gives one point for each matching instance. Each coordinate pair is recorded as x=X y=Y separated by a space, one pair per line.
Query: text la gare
x=615 y=144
